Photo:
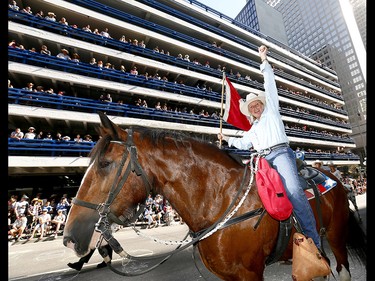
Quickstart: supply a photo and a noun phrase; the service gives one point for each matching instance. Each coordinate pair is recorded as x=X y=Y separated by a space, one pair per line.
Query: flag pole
x=222 y=108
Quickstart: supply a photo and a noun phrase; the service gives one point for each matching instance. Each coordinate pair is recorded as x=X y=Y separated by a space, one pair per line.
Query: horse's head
x=110 y=190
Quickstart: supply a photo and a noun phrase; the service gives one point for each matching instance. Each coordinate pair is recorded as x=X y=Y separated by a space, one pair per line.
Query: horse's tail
x=357 y=241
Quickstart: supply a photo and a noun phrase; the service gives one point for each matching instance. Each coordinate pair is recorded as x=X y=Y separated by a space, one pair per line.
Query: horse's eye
x=104 y=163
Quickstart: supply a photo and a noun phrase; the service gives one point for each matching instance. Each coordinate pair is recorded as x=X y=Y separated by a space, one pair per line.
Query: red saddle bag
x=272 y=192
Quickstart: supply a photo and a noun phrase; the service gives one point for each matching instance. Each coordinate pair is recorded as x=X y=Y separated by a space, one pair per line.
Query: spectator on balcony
x=58 y=137
x=87 y=138
x=48 y=136
x=12 y=44
x=187 y=58
x=75 y=57
x=27 y=10
x=64 y=54
x=87 y=28
x=215 y=115
x=107 y=98
x=50 y=16
x=158 y=106
x=78 y=138
x=30 y=134
x=92 y=61
x=50 y=91
x=138 y=102
x=96 y=31
x=179 y=56
x=123 y=39
x=122 y=68
x=39 y=136
x=63 y=21
x=100 y=64
x=40 y=14
x=17 y=134
x=14 y=6
x=66 y=138
x=29 y=87
x=142 y=44
x=44 y=50
x=10 y=84
x=134 y=71
x=105 y=33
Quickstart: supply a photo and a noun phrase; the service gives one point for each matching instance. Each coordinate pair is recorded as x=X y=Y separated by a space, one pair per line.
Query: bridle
x=103 y=225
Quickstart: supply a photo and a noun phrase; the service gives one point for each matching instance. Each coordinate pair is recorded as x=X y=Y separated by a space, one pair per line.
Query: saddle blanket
x=323 y=187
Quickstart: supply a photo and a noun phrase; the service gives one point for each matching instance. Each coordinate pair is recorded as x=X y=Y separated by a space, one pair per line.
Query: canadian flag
x=232 y=113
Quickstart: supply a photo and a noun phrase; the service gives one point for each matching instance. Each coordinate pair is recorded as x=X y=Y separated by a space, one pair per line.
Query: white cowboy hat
x=249 y=99
x=317 y=161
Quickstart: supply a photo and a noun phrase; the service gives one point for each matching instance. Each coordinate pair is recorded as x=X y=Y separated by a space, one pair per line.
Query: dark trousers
x=86 y=258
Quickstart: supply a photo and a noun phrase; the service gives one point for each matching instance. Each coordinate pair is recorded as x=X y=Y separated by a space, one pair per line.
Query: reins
x=103 y=225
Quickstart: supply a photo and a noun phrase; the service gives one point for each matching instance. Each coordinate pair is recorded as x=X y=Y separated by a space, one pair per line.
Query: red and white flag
x=232 y=113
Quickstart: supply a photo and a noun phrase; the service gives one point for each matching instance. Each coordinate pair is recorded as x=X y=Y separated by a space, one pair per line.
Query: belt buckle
x=266 y=151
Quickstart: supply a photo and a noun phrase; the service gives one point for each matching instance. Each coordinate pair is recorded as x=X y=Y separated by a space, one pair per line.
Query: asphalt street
x=46 y=260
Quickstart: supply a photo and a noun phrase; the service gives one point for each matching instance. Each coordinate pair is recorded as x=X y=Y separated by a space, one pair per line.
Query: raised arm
x=270 y=88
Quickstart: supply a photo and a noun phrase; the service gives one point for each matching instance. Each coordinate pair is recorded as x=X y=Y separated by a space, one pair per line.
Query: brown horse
x=200 y=181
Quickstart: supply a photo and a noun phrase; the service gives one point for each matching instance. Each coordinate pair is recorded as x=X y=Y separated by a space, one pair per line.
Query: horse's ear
x=109 y=125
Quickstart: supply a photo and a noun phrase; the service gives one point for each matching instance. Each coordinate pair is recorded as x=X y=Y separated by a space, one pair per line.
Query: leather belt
x=272 y=148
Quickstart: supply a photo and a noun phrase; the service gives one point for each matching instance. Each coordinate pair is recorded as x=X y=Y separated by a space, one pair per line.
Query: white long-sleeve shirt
x=269 y=129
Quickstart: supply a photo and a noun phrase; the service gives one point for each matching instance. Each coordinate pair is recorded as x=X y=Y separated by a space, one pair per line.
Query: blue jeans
x=284 y=161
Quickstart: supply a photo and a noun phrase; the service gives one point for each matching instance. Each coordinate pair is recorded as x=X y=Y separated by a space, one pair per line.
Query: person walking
x=267 y=136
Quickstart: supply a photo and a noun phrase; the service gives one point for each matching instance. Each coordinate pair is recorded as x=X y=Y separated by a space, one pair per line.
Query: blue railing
x=86 y=69
x=19 y=96
x=45 y=147
x=82 y=68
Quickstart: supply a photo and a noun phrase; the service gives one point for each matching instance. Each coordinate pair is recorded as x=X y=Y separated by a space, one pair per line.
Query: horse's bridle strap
x=96 y=207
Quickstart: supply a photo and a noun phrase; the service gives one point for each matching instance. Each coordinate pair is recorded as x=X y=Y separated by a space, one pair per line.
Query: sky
x=230 y=8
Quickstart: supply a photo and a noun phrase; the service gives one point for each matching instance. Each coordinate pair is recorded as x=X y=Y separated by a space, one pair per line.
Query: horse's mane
x=157 y=136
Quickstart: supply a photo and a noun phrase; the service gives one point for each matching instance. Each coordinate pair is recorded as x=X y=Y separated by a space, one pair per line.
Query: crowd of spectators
x=37 y=218
x=31 y=134
x=45 y=217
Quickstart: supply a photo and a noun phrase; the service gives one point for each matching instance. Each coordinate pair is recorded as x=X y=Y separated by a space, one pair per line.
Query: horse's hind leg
x=338 y=247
